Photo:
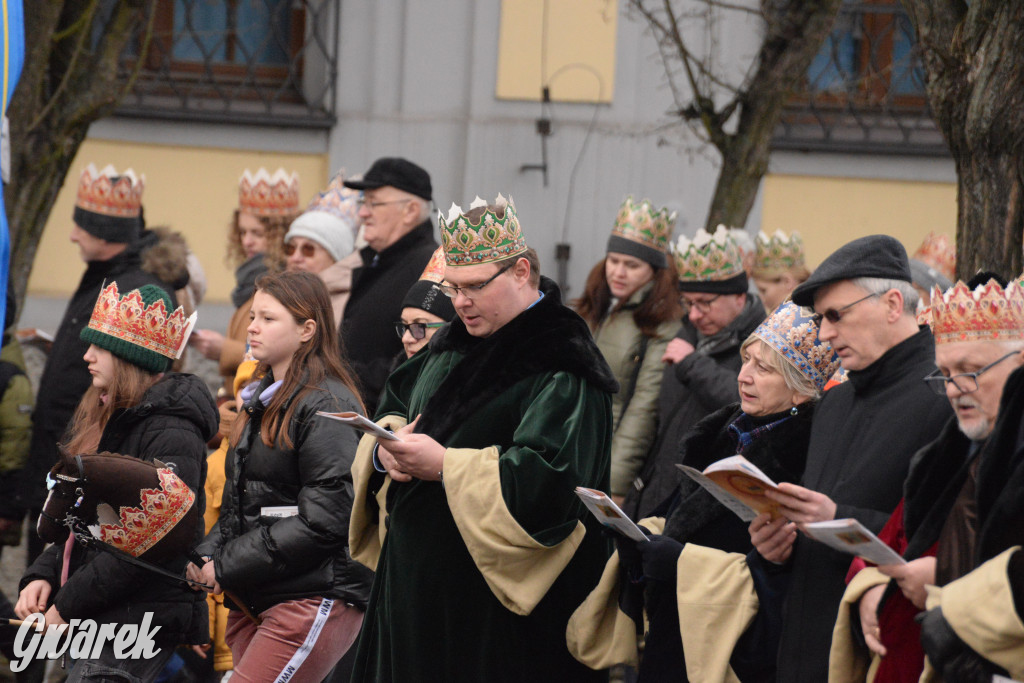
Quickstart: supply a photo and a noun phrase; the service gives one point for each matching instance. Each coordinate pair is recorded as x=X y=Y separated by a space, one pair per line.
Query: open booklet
x=738 y=485
x=609 y=514
x=850 y=536
x=361 y=423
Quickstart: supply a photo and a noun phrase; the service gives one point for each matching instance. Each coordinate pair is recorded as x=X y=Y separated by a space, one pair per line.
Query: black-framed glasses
x=965 y=383
x=417 y=330
x=702 y=306
x=373 y=206
x=834 y=315
x=308 y=249
x=469 y=291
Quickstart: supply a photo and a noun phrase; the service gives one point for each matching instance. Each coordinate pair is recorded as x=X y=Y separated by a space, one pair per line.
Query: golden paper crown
x=939 y=253
x=110 y=193
x=434 y=272
x=128 y=319
x=262 y=194
x=707 y=257
x=643 y=223
x=778 y=252
x=160 y=509
x=989 y=313
x=491 y=239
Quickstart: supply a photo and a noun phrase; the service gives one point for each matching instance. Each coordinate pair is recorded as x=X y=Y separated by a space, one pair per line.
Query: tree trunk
x=69 y=80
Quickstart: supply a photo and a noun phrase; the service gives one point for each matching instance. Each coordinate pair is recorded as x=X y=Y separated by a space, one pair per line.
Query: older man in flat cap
x=864 y=434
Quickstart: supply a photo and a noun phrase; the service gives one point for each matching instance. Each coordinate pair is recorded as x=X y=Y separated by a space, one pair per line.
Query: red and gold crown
x=110 y=193
x=263 y=194
x=989 y=313
x=160 y=509
x=130 y=320
x=938 y=252
x=434 y=272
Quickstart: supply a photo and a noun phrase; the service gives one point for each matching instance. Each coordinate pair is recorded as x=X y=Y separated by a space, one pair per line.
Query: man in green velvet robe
x=481 y=548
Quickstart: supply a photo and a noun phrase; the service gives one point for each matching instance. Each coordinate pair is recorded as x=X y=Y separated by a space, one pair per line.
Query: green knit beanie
x=130 y=347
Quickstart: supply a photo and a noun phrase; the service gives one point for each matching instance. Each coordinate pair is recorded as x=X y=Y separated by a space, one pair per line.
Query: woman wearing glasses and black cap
x=424 y=309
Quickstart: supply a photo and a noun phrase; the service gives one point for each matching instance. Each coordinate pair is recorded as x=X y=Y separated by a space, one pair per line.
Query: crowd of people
x=448 y=542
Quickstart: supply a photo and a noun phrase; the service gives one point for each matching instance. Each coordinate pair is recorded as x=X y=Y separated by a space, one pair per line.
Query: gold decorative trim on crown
x=491 y=239
x=989 y=313
x=707 y=257
x=939 y=253
x=160 y=509
x=99 y=192
x=129 y=319
x=778 y=252
x=434 y=272
x=263 y=194
x=641 y=222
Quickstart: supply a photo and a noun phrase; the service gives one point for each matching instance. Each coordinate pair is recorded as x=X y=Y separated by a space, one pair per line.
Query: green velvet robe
x=432 y=615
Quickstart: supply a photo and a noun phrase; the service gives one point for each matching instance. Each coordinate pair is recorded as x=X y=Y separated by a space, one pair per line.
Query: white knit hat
x=331 y=219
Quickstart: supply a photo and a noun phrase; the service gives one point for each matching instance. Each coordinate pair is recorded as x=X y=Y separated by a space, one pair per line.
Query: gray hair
x=795 y=380
x=879 y=285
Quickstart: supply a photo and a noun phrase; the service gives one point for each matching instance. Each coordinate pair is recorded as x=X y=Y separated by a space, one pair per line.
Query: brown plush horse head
x=139 y=507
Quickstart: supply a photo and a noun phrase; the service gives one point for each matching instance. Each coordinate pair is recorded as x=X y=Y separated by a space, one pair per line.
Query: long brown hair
x=274 y=227
x=660 y=305
x=127 y=387
x=305 y=297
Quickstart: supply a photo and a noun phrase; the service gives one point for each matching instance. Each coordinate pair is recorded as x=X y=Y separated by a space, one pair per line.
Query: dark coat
x=172 y=423
x=378 y=288
x=66 y=376
x=265 y=560
x=692 y=389
x=864 y=435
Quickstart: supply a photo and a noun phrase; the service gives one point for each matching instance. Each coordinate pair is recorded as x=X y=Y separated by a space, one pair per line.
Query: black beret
x=878 y=256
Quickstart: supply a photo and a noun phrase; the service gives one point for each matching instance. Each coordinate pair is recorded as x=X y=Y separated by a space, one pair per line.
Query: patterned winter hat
x=778 y=253
x=642 y=231
x=491 y=239
x=109 y=204
x=791 y=331
x=137 y=328
x=989 y=313
x=710 y=263
x=262 y=194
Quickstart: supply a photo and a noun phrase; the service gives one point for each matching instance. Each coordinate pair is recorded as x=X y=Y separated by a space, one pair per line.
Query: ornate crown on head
x=641 y=222
x=989 y=313
x=434 y=272
x=708 y=257
x=791 y=331
x=938 y=252
x=129 y=319
x=263 y=194
x=778 y=252
x=490 y=239
x=160 y=509
x=338 y=200
x=110 y=193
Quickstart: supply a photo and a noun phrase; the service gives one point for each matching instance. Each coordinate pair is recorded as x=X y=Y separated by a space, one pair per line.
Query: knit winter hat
x=425 y=293
x=137 y=328
x=331 y=219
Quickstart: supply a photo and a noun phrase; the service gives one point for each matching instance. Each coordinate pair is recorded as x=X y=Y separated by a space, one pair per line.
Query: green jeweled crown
x=466 y=243
x=642 y=223
x=779 y=252
x=707 y=257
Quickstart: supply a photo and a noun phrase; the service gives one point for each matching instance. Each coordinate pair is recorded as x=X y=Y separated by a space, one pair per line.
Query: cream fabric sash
x=366 y=529
x=849 y=662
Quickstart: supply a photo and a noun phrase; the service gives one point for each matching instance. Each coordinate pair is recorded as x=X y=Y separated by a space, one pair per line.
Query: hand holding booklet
x=738 y=485
x=361 y=423
x=609 y=514
x=850 y=536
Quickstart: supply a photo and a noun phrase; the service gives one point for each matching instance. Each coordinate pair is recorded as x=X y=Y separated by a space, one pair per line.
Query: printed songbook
x=850 y=536
x=738 y=485
x=361 y=423
x=609 y=514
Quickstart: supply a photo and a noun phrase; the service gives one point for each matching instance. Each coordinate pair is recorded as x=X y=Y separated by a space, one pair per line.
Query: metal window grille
x=238 y=61
x=864 y=91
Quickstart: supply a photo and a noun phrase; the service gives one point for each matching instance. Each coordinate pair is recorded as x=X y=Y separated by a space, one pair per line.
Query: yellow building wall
x=829 y=212
x=193 y=190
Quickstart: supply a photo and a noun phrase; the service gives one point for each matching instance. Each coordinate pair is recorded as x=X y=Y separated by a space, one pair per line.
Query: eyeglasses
x=308 y=249
x=966 y=383
x=702 y=306
x=469 y=291
x=373 y=206
x=417 y=330
x=833 y=315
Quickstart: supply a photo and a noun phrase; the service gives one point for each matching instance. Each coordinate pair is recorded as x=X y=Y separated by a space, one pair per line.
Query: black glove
x=631 y=576
x=951 y=656
x=659 y=556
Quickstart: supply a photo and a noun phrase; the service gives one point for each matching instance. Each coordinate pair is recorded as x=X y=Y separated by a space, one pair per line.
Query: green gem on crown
x=641 y=222
x=490 y=239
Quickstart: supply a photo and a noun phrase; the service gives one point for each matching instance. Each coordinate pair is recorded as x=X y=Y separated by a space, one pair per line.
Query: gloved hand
x=659 y=556
x=631 y=576
x=950 y=655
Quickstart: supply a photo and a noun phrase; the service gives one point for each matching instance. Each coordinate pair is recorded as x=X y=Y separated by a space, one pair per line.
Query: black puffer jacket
x=265 y=560
x=172 y=423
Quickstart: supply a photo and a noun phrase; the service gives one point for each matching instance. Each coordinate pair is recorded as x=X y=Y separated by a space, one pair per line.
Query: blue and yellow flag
x=13 y=52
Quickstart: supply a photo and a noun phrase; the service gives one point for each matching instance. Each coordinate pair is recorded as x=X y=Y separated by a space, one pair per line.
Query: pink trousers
x=298 y=641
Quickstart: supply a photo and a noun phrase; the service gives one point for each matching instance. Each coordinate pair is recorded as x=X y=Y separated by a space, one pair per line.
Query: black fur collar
x=545 y=338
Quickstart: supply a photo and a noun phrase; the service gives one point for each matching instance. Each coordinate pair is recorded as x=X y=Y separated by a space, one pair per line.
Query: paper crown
x=642 y=223
x=707 y=257
x=129 y=320
x=989 y=313
x=434 y=272
x=938 y=252
x=338 y=200
x=110 y=193
x=778 y=252
x=160 y=509
x=262 y=194
x=490 y=239
x=792 y=332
